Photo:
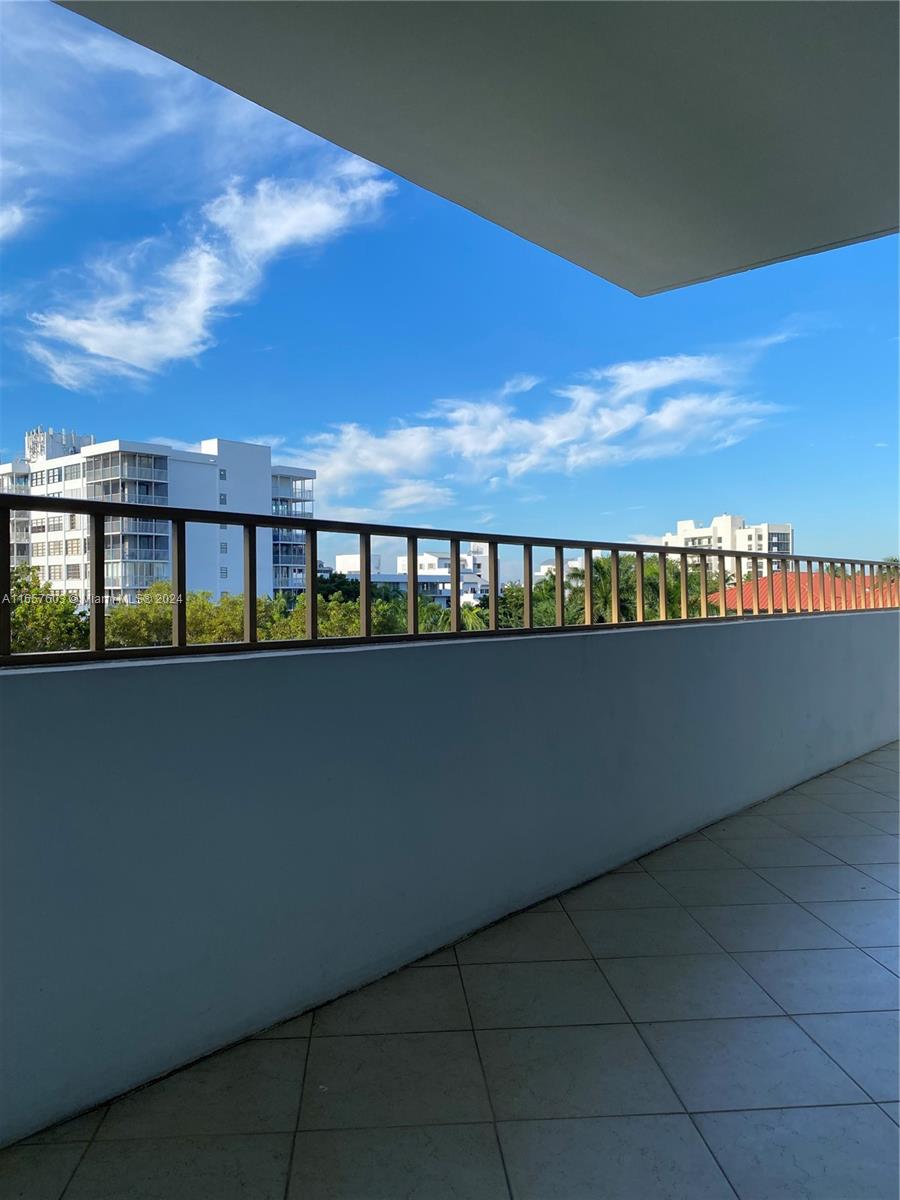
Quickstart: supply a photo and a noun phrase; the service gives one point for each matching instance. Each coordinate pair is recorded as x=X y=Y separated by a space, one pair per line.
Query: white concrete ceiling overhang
x=656 y=144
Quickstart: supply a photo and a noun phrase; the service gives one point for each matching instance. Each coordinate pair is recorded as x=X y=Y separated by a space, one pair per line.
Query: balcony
x=589 y=896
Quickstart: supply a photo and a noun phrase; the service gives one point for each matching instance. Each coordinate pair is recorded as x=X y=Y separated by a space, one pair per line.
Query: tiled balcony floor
x=717 y=1019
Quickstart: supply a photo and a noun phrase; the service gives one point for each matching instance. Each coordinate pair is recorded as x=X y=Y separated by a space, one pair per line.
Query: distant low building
x=433 y=574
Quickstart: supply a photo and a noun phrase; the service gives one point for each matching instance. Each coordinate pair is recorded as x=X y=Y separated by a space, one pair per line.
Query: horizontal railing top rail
x=701 y=587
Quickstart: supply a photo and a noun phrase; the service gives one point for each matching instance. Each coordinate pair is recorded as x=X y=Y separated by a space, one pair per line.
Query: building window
x=55 y=571
x=223 y=572
x=73 y=545
x=73 y=570
x=73 y=472
x=54 y=547
x=54 y=475
x=223 y=547
x=37 y=478
x=223 y=474
x=39 y=549
x=54 y=524
x=223 y=498
x=73 y=520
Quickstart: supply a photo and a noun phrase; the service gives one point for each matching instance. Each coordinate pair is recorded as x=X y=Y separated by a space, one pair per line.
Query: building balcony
x=589 y=896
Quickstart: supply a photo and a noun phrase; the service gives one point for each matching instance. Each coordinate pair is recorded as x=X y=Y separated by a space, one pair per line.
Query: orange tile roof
x=867 y=594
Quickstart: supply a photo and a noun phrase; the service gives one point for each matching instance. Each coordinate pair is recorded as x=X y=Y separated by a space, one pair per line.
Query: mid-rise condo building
x=221 y=475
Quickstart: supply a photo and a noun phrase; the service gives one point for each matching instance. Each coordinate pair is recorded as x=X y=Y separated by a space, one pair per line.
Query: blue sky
x=179 y=264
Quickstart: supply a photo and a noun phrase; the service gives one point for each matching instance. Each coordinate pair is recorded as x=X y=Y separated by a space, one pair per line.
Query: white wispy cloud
x=13 y=217
x=156 y=302
x=102 y=109
x=626 y=412
x=416 y=493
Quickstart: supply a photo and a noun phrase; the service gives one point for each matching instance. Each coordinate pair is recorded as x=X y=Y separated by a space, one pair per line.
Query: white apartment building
x=730 y=532
x=433 y=574
x=222 y=475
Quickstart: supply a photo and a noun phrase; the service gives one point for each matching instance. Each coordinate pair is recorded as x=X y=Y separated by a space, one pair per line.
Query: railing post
x=854 y=599
x=365 y=585
x=885 y=598
x=98 y=582
x=810 y=598
x=784 y=583
x=412 y=584
x=455 y=618
x=250 y=583
x=723 y=604
x=179 y=584
x=639 y=586
x=798 y=598
x=661 y=584
x=770 y=586
x=704 y=588
x=493 y=584
x=560 y=574
x=614 y=607
x=832 y=582
x=5 y=583
x=311 y=581
x=684 y=588
x=588 y=586
x=739 y=585
x=823 y=605
x=527 y=586
x=754 y=585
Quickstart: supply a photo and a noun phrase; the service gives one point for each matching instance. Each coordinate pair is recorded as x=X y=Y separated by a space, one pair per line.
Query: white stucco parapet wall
x=207 y=845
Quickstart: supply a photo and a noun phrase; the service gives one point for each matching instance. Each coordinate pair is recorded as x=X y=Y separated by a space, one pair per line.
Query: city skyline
x=431 y=367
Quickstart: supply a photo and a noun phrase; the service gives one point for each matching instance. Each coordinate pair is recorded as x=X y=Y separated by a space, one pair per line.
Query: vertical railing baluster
x=853 y=596
x=6 y=583
x=784 y=583
x=661 y=585
x=823 y=603
x=365 y=585
x=798 y=595
x=739 y=585
x=723 y=603
x=412 y=585
x=770 y=586
x=832 y=585
x=588 y=586
x=311 y=581
x=98 y=582
x=493 y=585
x=684 y=588
x=250 y=583
x=614 y=606
x=559 y=557
x=754 y=585
x=179 y=583
x=885 y=599
x=810 y=597
x=639 y=586
x=704 y=589
x=455 y=617
x=527 y=587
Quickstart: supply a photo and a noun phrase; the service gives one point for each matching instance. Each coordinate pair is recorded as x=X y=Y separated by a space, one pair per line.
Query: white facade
x=225 y=475
x=729 y=532
x=433 y=574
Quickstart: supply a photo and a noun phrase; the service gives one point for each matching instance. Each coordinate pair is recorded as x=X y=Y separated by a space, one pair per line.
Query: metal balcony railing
x=828 y=585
